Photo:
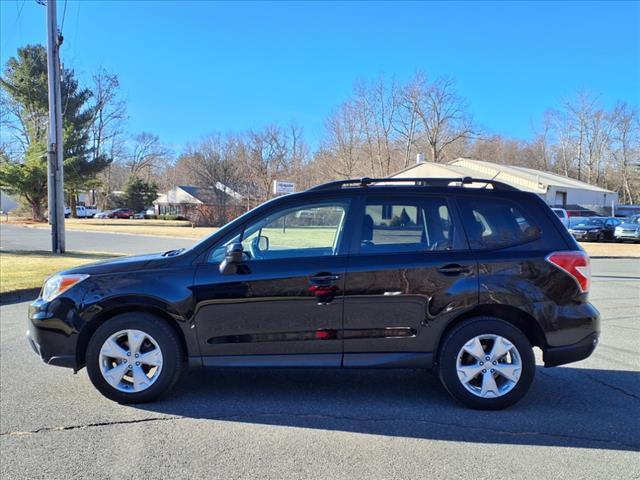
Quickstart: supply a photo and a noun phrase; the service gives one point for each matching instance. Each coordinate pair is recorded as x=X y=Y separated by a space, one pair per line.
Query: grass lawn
x=23 y=270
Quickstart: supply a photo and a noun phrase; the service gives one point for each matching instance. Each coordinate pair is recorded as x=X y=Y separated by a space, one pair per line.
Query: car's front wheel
x=486 y=363
x=134 y=357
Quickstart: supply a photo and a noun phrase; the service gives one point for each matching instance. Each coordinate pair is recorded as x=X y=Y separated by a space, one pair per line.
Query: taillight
x=576 y=263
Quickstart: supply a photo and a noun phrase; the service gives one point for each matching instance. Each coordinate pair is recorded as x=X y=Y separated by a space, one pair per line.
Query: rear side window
x=496 y=223
x=406 y=225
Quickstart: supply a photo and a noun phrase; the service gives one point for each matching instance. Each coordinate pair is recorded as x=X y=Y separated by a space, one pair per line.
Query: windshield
x=585 y=222
x=634 y=219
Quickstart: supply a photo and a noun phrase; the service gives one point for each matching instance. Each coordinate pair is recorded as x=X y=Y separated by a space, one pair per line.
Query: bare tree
x=267 y=158
x=625 y=149
x=341 y=151
x=110 y=113
x=145 y=154
x=443 y=115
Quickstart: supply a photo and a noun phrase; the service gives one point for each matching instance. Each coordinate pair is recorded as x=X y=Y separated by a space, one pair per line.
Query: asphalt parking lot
x=578 y=421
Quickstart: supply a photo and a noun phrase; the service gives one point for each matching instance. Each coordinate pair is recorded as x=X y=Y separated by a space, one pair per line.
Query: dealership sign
x=280 y=187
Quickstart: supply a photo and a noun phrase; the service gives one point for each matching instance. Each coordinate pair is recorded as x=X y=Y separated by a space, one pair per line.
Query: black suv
x=402 y=273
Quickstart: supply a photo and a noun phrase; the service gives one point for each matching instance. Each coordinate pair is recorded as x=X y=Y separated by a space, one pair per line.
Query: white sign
x=280 y=187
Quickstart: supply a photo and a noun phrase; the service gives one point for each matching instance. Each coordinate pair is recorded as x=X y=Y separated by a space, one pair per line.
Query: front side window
x=496 y=223
x=395 y=226
x=303 y=231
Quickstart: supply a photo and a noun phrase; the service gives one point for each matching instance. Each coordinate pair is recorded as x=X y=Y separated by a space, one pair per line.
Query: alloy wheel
x=130 y=360
x=489 y=366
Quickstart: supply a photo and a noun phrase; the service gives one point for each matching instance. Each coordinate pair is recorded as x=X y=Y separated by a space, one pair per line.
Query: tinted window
x=586 y=222
x=393 y=225
x=304 y=231
x=495 y=223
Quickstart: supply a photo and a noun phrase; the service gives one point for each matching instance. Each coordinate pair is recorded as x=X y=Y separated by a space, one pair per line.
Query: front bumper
x=584 y=235
x=52 y=331
x=627 y=236
x=554 y=356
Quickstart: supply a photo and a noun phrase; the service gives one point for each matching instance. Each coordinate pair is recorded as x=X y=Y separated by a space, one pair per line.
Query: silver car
x=628 y=229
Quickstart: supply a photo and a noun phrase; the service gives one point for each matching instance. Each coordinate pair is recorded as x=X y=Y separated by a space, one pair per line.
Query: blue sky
x=190 y=68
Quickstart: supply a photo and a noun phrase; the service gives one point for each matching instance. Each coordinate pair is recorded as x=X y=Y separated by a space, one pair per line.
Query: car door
x=410 y=272
x=285 y=305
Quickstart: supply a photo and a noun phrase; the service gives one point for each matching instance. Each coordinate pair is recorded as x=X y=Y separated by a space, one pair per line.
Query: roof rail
x=426 y=182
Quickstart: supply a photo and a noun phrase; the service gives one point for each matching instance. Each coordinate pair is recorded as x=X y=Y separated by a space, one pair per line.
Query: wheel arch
x=90 y=327
x=510 y=314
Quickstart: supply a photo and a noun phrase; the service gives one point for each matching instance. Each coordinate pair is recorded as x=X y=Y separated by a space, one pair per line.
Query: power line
x=15 y=23
x=64 y=14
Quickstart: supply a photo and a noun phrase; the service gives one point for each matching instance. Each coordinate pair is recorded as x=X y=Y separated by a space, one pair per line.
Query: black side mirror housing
x=233 y=257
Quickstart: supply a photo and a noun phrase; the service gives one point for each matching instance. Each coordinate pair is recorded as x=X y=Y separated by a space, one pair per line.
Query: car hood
x=631 y=226
x=585 y=228
x=122 y=264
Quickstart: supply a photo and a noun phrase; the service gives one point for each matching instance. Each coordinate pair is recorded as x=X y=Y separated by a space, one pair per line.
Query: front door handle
x=323 y=287
x=324 y=278
x=454 y=269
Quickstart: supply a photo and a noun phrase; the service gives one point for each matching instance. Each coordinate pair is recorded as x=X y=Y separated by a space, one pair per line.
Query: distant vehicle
x=595 y=229
x=81 y=211
x=626 y=211
x=122 y=213
x=145 y=213
x=562 y=215
x=628 y=229
x=104 y=214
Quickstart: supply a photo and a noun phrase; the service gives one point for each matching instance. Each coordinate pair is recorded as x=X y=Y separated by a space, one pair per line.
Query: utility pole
x=55 y=183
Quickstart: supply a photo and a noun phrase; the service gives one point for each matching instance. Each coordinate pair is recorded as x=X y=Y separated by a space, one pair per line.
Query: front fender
x=166 y=293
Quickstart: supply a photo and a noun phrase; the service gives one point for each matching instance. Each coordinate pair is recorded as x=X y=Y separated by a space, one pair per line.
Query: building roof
x=527 y=179
x=197 y=195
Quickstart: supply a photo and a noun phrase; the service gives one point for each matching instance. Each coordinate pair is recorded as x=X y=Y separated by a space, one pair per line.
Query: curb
x=19 y=296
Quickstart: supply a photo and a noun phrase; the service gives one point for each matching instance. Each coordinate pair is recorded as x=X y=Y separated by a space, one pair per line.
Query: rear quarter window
x=492 y=223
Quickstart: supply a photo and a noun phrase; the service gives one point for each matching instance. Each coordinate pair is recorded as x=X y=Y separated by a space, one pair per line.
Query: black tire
x=173 y=357
x=465 y=332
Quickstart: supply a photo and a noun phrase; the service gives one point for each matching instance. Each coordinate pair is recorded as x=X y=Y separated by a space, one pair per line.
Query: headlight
x=618 y=229
x=58 y=284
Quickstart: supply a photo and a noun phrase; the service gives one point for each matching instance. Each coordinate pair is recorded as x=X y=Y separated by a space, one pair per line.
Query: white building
x=556 y=190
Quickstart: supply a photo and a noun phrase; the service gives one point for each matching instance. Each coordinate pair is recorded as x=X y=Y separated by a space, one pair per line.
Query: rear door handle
x=454 y=269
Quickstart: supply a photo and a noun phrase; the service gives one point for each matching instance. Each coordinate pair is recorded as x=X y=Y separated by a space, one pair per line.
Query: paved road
x=578 y=421
x=15 y=237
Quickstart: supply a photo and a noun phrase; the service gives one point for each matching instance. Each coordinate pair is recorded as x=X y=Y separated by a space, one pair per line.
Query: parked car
x=562 y=215
x=593 y=229
x=627 y=211
x=628 y=229
x=122 y=213
x=104 y=214
x=461 y=280
x=81 y=211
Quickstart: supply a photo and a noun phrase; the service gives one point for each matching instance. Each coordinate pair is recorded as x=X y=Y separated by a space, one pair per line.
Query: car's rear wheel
x=134 y=357
x=486 y=363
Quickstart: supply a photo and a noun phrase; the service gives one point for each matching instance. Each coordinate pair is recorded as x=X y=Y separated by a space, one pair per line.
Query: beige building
x=556 y=190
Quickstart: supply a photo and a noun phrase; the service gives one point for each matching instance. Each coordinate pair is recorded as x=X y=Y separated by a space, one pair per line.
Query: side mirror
x=232 y=259
x=263 y=243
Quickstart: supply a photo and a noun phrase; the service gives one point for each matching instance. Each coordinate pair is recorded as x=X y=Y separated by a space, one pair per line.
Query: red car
x=122 y=213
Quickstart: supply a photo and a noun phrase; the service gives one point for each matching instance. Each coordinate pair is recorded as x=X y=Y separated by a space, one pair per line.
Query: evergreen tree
x=140 y=194
x=25 y=98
